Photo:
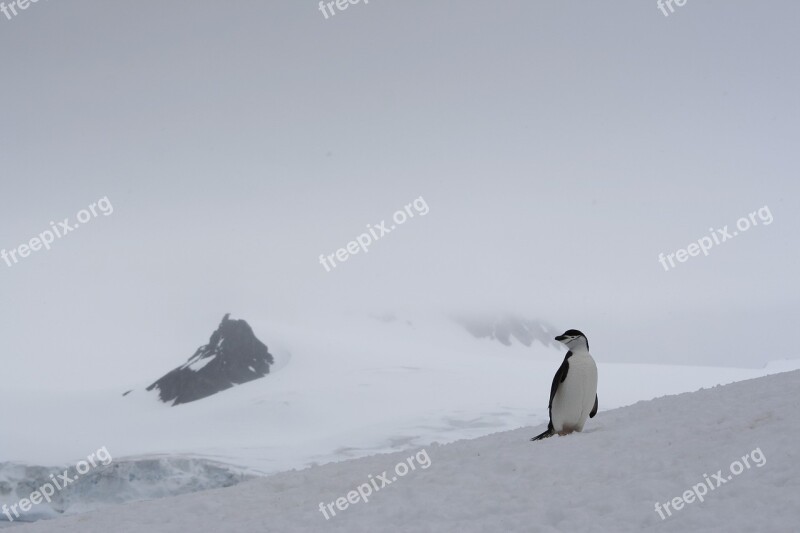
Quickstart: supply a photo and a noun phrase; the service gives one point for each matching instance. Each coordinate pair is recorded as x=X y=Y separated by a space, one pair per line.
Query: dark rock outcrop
x=232 y=356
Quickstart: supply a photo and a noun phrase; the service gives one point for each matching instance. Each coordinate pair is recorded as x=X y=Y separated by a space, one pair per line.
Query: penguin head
x=573 y=339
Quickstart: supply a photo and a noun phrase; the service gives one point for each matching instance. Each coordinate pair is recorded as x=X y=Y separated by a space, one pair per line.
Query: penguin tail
x=549 y=432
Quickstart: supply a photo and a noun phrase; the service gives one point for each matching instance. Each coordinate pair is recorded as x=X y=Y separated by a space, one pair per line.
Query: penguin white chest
x=575 y=397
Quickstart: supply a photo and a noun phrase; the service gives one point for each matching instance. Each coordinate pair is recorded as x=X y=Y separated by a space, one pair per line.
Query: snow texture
x=121 y=481
x=607 y=478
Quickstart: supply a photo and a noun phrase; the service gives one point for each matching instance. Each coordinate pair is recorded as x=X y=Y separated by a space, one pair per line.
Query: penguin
x=573 y=394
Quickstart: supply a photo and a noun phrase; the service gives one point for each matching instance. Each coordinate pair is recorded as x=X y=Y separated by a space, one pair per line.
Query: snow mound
x=608 y=478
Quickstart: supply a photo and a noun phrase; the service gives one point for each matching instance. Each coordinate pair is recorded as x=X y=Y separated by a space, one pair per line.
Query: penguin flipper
x=561 y=375
x=594 y=409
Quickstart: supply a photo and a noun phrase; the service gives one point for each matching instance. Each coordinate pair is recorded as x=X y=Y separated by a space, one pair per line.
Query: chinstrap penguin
x=573 y=394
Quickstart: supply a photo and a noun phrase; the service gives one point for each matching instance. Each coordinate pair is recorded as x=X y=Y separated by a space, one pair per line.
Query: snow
x=605 y=479
x=199 y=364
x=350 y=388
x=118 y=481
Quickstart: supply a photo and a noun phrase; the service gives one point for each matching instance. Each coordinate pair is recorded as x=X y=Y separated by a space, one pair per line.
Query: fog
x=559 y=149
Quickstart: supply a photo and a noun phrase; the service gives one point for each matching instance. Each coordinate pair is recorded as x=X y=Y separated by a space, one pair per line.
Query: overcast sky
x=559 y=146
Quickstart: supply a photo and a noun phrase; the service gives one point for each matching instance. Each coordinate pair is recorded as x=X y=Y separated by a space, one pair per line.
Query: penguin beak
x=561 y=338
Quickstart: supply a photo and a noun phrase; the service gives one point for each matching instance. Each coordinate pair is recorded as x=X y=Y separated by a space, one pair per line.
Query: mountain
x=232 y=356
x=506 y=328
x=739 y=440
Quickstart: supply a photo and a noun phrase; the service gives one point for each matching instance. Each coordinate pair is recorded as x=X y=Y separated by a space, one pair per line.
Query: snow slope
x=605 y=479
x=346 y=389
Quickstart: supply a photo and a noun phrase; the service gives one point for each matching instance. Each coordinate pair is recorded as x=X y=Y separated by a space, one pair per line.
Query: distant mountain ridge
x=233 y=356
x=506 y=328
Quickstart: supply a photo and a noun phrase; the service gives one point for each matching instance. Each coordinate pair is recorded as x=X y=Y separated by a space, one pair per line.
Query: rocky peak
x=233 y=355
